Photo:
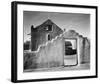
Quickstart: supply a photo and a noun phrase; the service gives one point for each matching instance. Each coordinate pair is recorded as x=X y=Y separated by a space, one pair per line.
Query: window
x=49 y=28
x=49 y=38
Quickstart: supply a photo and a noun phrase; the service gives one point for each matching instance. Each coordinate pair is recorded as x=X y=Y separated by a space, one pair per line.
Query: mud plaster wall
x=86 y=58
x=51 y=55
x=48 y=56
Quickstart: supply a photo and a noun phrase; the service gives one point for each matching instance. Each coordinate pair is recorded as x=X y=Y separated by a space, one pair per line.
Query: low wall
x=48 y=56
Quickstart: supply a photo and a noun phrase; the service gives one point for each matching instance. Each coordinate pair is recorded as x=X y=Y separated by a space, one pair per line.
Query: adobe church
x=50 y=45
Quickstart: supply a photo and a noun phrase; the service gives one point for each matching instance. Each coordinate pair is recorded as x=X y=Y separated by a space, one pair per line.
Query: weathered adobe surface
x=48 y=55
x=51 y=53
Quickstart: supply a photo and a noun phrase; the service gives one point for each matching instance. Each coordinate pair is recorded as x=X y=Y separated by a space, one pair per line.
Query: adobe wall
x=52 y=53
x=49 y=56
x=86 y=58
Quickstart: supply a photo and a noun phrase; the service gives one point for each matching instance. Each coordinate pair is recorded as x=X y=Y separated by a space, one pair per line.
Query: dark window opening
x=49 y=28
x=49 y=38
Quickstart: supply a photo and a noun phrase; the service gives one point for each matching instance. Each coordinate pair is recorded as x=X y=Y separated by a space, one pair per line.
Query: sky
x=69 y=21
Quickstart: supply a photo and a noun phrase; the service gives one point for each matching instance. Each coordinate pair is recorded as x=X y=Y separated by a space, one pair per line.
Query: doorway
x=70 y=52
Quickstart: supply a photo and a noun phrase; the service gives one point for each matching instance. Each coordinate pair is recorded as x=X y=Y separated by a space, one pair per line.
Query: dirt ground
x=70 y=59
x=84 y=66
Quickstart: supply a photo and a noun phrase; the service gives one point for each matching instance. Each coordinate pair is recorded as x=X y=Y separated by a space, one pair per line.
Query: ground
x=84 y=66
x=70 y=59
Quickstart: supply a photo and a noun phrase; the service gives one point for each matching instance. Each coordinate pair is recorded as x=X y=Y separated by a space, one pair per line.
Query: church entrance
x=70 y=54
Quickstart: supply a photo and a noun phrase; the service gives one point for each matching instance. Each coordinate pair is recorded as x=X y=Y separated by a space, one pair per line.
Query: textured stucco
x=51 y=53
x=49 y=56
